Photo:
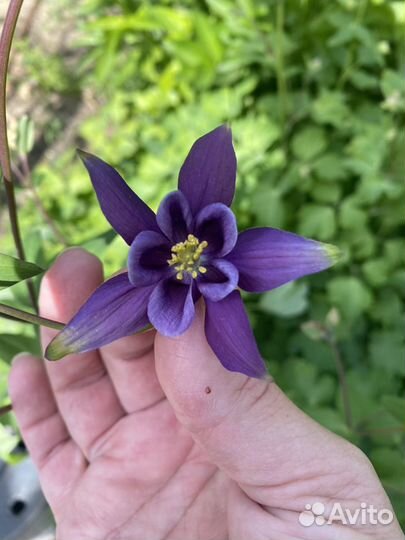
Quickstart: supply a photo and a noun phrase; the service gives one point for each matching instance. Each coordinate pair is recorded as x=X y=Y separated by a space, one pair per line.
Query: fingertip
x=20 y=362
x=20 y=358
x=73 y=260
x=24 y=369
x=69 y=281
x=67 y=284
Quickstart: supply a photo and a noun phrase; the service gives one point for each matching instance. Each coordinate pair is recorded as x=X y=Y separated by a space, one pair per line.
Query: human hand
x=150 y=438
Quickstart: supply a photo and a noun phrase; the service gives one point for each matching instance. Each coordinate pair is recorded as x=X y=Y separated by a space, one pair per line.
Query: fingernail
x=18 y=357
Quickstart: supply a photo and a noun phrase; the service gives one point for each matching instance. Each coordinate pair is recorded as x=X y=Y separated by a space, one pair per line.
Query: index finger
x=82 y=387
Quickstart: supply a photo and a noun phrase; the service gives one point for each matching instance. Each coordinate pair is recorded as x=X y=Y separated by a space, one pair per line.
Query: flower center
x=186 y=257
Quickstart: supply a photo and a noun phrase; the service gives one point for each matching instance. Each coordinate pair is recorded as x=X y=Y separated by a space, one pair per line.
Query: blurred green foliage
x=316 y=102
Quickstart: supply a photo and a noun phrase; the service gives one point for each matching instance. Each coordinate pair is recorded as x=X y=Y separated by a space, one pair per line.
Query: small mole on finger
x=207 y=390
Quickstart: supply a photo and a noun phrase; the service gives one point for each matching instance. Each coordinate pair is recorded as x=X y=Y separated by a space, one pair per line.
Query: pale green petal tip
x=57 y=349
x=333 y=253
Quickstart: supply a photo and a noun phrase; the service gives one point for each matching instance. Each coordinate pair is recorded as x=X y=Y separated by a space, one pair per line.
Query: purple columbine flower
x=190 y=248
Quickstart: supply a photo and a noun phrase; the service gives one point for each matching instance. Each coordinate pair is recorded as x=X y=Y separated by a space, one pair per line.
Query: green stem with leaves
x=6 y=40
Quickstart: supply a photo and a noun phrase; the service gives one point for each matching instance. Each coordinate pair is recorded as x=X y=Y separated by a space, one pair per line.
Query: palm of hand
x=147 y=479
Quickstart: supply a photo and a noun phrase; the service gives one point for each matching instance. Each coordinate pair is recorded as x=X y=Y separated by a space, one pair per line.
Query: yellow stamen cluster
x=186 y=257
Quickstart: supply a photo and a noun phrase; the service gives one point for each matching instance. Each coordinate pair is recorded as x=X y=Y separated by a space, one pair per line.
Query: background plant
x=316 y=100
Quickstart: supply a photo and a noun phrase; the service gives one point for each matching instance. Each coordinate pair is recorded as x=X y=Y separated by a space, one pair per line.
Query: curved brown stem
x=6 y=39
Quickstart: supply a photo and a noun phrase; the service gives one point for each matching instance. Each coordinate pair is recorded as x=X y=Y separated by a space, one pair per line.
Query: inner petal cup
x=171 y=307
x=216 y=224
x=174 y=217
x=148 y=259
x=220 y=280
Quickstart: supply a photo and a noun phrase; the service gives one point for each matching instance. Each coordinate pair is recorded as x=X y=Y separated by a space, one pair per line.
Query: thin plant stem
x=3 y=316
x=29 y=317
x=26 y=177
x=349 y=64
x=280 y=73
x=342 y=381
x=6 y=409
x=6 y=39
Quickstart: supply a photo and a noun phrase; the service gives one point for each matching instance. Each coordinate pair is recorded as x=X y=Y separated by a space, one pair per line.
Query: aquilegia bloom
x=190 y=248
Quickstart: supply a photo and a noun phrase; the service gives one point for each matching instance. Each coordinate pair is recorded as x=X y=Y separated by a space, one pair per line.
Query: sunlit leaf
x=289 y=300
x=13 y=270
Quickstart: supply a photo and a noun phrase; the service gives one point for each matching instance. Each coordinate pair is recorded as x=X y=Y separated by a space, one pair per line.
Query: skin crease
x=151 y=438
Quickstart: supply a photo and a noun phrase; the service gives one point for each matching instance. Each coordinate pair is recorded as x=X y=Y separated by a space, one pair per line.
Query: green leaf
x=100 y=243
x=351 y=217
x=396 y=406
x=12 y=344
x=317 y=221
x=394 y=252
x=376 y=272
x=390 y=466
x=330 y=167
x=208 y=37
x=367 y=150
x=363 y=80
x=25 y=135
x=330 y=108
x=387 y=351
x=289 y=300
x=269 y=208
x=350 y=295
x=327 y=193
x=308 y=143
x=388 y=308
x=14 y=270
x=392 y=82
x=8 y=441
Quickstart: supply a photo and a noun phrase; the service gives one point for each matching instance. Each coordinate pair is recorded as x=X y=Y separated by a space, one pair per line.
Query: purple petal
x=267 y=258
x=220 y=280
x=230 y=336
x=174 y=217
x=124 y=210
x=147 y=260
x=208 y=175
x=116 y=309
x=216 y=224
x=171 y=307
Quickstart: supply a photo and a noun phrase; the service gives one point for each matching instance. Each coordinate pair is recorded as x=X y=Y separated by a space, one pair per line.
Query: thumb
x=248 y=427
